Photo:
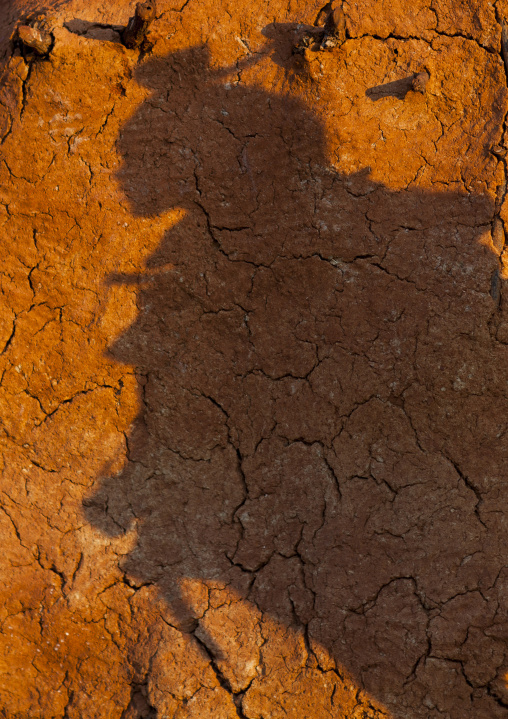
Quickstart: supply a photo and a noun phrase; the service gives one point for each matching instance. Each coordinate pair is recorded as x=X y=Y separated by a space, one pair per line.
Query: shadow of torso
x=308 y=346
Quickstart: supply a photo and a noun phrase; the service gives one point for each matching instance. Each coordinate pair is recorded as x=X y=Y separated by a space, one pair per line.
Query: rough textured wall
x=254 y=365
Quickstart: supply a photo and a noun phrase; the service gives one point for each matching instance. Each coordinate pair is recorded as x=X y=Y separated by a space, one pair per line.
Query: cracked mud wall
x=254 y=365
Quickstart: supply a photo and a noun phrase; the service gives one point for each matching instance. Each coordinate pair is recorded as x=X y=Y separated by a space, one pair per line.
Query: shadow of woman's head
x=203 y=133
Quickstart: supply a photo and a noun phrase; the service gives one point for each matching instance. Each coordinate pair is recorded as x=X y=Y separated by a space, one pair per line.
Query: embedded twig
x=419 y=83
x=323 y=14
x=334 y=22
x=499 y=151
x=37 y=40
x=329 y=30
x=134 y=34
x=309 y=37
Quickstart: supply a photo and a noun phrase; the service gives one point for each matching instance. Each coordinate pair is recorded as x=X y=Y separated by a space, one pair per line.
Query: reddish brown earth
x=254 y=365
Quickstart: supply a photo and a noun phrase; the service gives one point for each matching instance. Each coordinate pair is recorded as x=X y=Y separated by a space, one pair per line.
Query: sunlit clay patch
x=253 y=364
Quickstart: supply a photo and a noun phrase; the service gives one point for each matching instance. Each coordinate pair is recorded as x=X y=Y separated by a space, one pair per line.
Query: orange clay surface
x=254 y=364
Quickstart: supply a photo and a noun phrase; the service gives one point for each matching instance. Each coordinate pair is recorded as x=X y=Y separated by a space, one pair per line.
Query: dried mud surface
x=254 y=365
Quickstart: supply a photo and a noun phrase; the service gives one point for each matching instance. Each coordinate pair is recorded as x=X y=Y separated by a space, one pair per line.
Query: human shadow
x=293 y=443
